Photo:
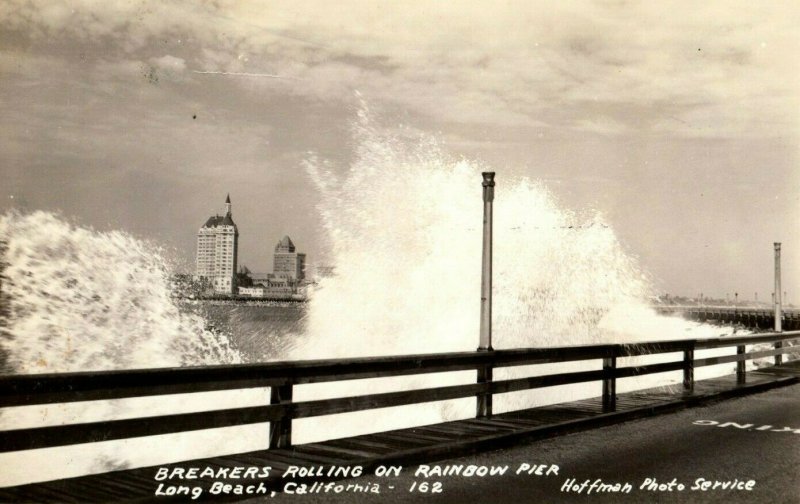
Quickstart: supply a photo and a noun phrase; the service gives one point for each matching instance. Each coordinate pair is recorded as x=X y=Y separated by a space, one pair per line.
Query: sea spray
x=74 y=299
x=80 y=300
x=403 y=224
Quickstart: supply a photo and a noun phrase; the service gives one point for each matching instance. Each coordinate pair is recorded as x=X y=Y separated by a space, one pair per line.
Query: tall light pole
x=777 y=298
x=484 y=406
x=486 y=271
x=778 y=308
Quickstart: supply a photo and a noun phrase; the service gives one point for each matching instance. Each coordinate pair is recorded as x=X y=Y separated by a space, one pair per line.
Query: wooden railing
x=281 y=377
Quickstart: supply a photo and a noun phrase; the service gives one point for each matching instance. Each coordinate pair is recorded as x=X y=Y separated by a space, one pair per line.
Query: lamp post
x=778 y=308
x=777 y=300
x=484 y=406
x=486 y=270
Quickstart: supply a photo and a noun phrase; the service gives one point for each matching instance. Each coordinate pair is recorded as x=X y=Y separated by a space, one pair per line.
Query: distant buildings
x=267 y=286
x=258 y=291
x=287 y=280
x=288 y=264
x=217 y=252
x=216 y=270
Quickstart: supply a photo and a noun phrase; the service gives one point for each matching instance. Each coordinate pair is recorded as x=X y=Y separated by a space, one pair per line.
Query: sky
x=679 y=121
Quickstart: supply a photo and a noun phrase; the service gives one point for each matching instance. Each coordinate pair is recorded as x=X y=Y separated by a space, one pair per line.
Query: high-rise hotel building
x=289 y=264
x=217 y=251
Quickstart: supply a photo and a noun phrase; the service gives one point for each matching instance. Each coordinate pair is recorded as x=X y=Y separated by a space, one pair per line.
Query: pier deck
x=413 y=445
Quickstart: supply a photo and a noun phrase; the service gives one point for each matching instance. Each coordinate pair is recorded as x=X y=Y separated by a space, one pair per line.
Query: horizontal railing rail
x=280 y=378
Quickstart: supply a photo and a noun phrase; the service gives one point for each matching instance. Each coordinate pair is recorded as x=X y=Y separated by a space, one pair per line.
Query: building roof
x=218 y=220
x=285 y=245
x=213 y=221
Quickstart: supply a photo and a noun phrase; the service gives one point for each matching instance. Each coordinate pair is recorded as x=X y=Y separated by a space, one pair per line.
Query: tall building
x=217 y=252
x=288 y=263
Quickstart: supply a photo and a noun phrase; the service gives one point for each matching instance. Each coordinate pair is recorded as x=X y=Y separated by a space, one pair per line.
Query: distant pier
x=750 y=317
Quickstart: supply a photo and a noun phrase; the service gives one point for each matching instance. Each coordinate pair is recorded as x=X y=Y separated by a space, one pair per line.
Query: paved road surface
x=666 y=448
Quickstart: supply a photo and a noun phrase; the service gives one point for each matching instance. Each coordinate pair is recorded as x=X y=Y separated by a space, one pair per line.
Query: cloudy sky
x=679 y=121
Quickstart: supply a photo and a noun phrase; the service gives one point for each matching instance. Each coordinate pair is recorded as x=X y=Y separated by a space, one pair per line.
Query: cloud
x=103 y=96
x=166 y=67
x=519 y=63
x=602 y=125
x=22 y=65
x=169 y=63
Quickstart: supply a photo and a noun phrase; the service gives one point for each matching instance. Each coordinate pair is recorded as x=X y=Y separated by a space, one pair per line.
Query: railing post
x=484 y=408
x=610 y=383
x=484 y=404
x=280 y=431
x=688 y=368
x=740 y=372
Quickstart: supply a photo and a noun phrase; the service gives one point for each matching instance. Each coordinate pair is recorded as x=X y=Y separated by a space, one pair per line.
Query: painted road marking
x=746 y=426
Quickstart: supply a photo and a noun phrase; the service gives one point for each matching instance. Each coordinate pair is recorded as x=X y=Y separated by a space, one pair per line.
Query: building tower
x=288 y=264
x=217 y=252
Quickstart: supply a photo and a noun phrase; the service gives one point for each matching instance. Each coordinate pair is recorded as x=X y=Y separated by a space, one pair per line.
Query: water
x=83 y=300
x=259 y=332
x=403 y=229
x=77 y=300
